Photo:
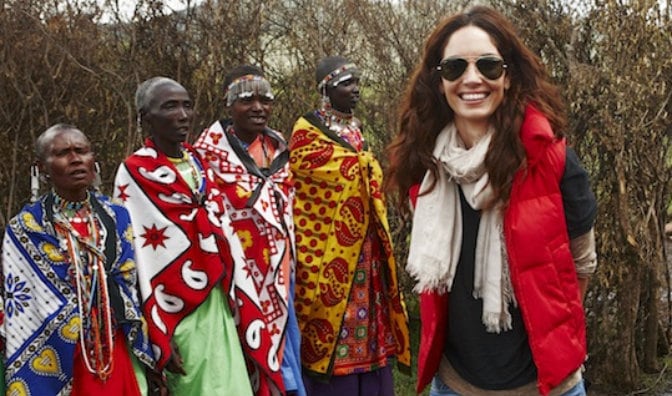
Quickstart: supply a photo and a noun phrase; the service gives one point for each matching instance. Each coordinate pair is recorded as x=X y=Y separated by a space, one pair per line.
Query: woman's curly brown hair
x=424 y=111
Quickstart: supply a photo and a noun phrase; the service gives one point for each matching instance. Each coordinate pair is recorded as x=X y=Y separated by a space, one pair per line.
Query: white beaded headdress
x=247 y=86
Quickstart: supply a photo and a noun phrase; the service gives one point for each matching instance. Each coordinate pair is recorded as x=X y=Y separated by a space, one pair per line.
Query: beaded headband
x=248 y=86
x=342 y=73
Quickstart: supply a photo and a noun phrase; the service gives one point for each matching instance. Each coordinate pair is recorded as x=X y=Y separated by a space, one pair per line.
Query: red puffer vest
x=542 y=268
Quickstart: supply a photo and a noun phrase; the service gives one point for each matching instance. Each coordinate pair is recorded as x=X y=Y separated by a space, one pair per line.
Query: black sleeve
x=577 y=197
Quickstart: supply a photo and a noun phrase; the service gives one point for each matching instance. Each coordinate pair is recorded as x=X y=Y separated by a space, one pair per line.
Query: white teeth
x=473 y=96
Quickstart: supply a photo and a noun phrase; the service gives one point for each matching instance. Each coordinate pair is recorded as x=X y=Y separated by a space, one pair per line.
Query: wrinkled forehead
x=248 y=86
x=64 y=136
x=164 y=91
x=67 y=137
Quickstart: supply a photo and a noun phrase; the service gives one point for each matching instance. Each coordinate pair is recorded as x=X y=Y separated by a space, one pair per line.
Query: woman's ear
x=442 y=90
x=142 y=121
x=41 y=167
x=329 y=90
x=43 y=175
x=142 y=116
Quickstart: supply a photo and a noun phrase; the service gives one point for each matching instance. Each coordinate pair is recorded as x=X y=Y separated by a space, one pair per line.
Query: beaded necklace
x=191 y=172
x=345 y=125
x=266 y=157
x=77 y=223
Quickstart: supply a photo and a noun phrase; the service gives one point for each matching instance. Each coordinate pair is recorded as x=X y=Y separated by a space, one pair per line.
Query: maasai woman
x=184 y=255
x=250 y=162
x=351 y=314
x=72 y=323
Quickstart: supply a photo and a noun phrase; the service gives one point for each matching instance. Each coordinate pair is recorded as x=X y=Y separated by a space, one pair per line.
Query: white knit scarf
x=436 y=237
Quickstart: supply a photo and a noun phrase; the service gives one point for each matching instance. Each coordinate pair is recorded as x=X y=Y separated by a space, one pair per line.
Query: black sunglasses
x=491 y=67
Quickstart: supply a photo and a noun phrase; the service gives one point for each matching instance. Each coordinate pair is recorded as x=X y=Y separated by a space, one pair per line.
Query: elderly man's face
x=169 y=117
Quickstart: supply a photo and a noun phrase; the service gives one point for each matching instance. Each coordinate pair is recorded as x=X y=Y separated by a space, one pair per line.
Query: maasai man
x=184 y=253
x=250 y=165
x=72 y=320
x=349 y=308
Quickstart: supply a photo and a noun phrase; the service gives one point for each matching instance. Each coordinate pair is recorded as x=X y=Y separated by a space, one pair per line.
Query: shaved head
x=44 y=140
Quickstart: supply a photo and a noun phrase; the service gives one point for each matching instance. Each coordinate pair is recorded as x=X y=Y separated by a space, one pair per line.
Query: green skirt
x=211 y=352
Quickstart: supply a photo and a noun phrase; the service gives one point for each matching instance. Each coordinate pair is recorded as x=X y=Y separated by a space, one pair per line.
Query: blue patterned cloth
x=41 y=316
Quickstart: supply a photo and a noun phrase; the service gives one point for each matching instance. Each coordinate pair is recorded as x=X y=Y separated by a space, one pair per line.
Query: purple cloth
x=373 y=383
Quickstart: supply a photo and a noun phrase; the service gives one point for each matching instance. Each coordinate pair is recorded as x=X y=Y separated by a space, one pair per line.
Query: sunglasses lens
x=452 y=69
x=490 y=68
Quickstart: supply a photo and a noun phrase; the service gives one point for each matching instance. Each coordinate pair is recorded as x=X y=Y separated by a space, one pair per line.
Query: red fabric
x=544 y=280
x=176 y=289
x=413 y=193
x=122 y=381
x=366 y=340
x=433 y=322
x=259 y=209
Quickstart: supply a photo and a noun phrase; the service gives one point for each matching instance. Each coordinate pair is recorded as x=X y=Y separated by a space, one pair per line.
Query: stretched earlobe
x=34 y=182
x=97 y=181
x=40 y=173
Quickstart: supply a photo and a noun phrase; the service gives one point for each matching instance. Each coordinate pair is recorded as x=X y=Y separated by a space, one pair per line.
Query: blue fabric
x=440 y=389
x=41 y=315
x=291 y=358
x=578 y=390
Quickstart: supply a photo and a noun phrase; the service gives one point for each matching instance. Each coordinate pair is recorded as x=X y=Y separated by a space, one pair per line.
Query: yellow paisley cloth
x=338 y=194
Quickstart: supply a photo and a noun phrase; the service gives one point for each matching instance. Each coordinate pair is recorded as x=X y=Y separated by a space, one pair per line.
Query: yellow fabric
x=337 y=195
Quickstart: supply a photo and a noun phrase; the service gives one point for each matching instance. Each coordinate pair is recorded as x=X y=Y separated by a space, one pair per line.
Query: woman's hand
x=175 y=362
x=157 y=383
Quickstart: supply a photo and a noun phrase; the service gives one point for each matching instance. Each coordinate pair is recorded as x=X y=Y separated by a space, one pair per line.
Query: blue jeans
x=440 y=389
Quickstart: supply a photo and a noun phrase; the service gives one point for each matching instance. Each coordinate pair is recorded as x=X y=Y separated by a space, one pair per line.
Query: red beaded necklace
x=78 y=225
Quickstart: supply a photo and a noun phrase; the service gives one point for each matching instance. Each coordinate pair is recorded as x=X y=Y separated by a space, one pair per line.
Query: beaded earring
x=325 y=102
x=34 y=182
x=97 y=181
x=138 y=124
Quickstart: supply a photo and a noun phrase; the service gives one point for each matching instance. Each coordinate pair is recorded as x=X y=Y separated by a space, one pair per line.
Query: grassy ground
x=404 y=384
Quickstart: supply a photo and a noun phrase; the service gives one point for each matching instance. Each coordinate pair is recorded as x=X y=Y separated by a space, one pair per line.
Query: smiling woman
x=250 y=162
x=502 y=243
